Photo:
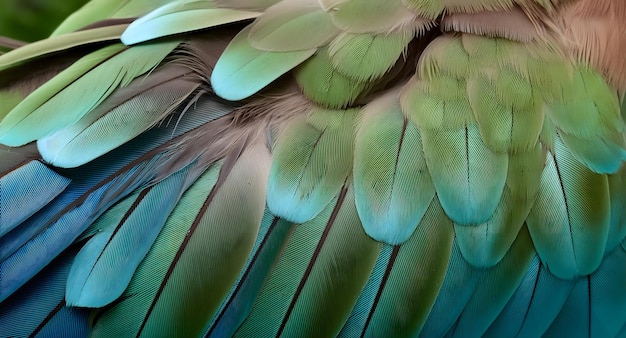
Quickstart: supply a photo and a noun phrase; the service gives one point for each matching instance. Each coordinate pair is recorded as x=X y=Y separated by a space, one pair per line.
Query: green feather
x=274 y=30
x=181 y=17
x=392 y=184
x=251 y=5
x=486 y=244
x=243 y=70
x=570 y=220
x=60 y=43
x=197 y=256
x=365 y=57
x=312 y=159
x=323 y=84
x=617 y=186
x=468 y=177
x=123 y=116
x=77 y=90
x=414 y=276
x=370 y=16
x=323 y=269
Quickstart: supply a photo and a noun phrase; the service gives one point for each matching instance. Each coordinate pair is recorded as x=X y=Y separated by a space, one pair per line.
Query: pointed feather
x=273 y=233
x=276 y=29
x=533 y=306
x=22 y=194
x=47 y=109
x=323 y=268
x=95 y=187
x=312 y=158
x=181 y=17
x=253 y=5
x=45 y=47
x=392 y=185
x=207 y=236
x=495 y=287
x=468 y=177
x=569 y=223
x=617 y=232
x=119 y=118
x=597 y=303
x=119 y=251
x=412 y=279
x=243 y=70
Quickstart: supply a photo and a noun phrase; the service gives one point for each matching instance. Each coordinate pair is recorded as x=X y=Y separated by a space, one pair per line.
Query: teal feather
x=413 y=279
x=38 y=309
x=22 y=194
x=540 y=297
x=392 y=184
x=324 y=266
x=569 y=222
x=273 y=233
x=311 y=161
x=181 y=17
x=243 y=70
x=468 y=177
x=85 y=84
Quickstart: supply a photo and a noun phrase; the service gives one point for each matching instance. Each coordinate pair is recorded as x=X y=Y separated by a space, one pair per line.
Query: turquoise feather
x=244 y=70
x=83 y=85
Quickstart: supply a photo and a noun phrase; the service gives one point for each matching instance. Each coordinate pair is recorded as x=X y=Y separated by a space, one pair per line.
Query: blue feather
x=22 y=193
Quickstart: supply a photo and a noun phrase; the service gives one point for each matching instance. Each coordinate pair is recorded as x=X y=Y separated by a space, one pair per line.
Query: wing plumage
x=316 y=168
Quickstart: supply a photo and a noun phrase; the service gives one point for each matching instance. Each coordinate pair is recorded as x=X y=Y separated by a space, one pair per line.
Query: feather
x=207 y=236
x=468 y=177
x=539 y=298
x=597 y=303
x=413 y=276
x=273 y=31
x=119 y=118
x=60 y=43
x=82 y=84
x=312 y=159
x=371 y=16
x=569 y=222
x=243 y=70
x=393 y=187
x=273 y=233
x=365 y=57
x=94 y=188
x=323 y=84
x=181 y=17
x=118 y=250
x=323 y=267
x=22 y=194
x=486 y=244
